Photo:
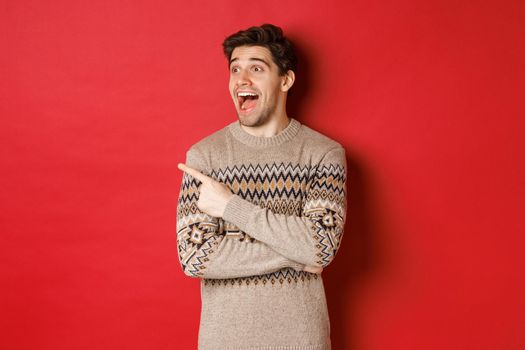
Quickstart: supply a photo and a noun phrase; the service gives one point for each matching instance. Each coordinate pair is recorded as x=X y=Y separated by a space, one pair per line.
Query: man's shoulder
x=313 y=142
x=318 y=141
x=323 y=149
x=212 y=142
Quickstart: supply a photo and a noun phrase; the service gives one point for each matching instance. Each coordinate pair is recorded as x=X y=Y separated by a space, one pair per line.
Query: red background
x=101 y=99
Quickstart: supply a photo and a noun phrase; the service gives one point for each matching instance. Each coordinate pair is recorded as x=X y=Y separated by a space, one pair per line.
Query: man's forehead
x=251 y=53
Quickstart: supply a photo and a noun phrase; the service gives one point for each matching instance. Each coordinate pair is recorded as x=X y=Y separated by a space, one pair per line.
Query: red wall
x=100 y=100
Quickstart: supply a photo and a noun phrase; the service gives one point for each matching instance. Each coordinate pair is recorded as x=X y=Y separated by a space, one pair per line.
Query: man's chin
x=252 y=120
x=248 y=120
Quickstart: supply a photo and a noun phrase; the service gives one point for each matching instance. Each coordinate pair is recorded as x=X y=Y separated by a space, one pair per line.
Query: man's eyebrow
x=251 y=59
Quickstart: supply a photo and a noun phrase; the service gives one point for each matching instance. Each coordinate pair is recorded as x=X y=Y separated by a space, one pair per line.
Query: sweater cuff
x=237 y=211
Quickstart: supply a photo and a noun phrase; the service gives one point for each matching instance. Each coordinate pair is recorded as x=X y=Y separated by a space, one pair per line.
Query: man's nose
x=243 y=78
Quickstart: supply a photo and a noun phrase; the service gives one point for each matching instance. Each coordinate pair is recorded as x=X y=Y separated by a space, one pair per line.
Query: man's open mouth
x=247 y=99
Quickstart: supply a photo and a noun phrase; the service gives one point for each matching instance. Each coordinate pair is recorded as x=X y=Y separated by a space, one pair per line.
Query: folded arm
x=204 y=248
x=312 y=238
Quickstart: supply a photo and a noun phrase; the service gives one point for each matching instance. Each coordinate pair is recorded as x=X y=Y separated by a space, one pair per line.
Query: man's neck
x=271 y=128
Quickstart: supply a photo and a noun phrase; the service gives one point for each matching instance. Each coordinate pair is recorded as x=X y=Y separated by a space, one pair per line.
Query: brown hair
x=269 y=36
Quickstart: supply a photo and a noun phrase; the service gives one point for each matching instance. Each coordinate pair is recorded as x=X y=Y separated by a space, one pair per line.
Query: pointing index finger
x=196 y=174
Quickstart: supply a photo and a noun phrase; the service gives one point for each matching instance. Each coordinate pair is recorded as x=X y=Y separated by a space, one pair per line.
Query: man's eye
x=258 y=69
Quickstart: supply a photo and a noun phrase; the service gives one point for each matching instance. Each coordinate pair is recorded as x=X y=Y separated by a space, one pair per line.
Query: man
x=261 y=209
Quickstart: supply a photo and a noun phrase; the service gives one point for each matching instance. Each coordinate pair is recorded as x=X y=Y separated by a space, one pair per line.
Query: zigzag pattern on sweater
x=263 y=182
x=285 y=275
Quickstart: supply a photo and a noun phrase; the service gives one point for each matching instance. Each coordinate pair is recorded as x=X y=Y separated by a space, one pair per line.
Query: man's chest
x=280 y=187
x=268 y=182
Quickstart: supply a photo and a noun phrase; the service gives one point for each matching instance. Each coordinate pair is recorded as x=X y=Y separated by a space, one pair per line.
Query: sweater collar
x=284 y=135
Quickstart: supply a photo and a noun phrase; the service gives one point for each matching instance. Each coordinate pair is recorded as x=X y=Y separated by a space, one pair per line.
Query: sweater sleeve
x=312 y=238
x=204 y=248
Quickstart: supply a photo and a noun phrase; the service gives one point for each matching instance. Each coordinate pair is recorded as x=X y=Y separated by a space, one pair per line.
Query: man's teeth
x=243 y=94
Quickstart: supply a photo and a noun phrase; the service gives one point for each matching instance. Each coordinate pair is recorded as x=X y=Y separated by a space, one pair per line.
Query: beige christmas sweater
x=288 y=211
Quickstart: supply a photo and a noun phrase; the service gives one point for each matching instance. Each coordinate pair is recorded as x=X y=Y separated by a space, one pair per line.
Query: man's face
x=252 y=71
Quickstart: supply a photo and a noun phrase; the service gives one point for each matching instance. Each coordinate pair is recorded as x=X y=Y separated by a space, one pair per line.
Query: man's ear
x=287 y=80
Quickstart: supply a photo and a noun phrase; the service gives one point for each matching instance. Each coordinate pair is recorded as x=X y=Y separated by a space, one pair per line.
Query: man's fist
x=214 y=195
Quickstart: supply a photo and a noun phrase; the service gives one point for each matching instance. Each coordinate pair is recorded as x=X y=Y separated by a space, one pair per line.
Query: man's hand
x=214 y=195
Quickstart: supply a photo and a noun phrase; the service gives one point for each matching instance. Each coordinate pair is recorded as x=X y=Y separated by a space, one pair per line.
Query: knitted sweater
x=288 y=211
